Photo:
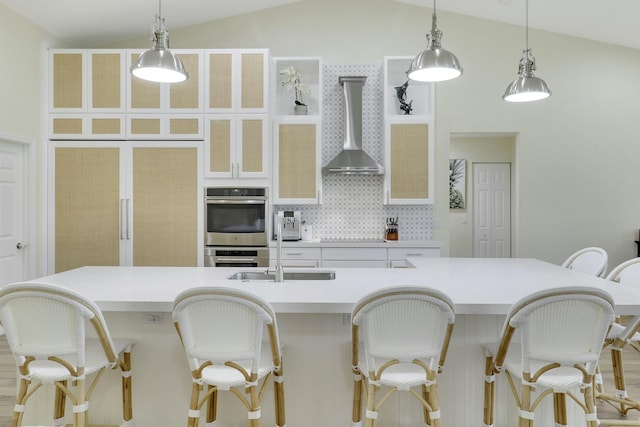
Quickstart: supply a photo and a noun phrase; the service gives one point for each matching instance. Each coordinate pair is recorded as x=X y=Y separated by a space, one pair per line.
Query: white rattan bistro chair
x=561 y=333
x=592 y=261
x=221 y=330
x=46 y=327
x=400 y=338
x=622 y=333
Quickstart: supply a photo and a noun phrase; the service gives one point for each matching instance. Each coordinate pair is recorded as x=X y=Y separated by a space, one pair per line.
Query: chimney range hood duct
x=352 y=160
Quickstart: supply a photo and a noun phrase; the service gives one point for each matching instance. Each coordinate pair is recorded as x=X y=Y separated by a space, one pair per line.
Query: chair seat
x=403 y=376
x=49 y=372
x=225 y=377
x=559 y=379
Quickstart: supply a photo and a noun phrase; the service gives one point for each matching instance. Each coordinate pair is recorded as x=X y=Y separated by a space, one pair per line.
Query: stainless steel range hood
x=352 y=160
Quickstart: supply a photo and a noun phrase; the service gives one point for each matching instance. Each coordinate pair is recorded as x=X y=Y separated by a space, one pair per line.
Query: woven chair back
x=403 y=323
x=592 y=261
x=627 y=273
x=43 y=320
x=563 y=325
x=223 y=324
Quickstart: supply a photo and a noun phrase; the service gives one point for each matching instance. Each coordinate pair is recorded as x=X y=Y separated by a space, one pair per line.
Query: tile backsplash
x=352 y=204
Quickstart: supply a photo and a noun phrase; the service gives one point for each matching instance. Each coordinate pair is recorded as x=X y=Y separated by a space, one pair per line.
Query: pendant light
x=158 y=64
x=434 y=64
x=526 y=87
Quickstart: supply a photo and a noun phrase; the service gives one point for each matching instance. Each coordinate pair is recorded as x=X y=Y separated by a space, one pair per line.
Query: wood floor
x=631 y=362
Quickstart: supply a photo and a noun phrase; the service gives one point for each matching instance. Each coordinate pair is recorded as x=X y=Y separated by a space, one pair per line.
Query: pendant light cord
x=526 y=20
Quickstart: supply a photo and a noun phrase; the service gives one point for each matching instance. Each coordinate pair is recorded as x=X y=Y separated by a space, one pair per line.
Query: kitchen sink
x=247 y=276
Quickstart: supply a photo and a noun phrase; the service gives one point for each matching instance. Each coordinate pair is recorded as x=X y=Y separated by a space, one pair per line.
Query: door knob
x=21 y=245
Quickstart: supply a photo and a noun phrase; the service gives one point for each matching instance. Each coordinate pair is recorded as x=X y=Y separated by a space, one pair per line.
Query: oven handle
x=236 y=202
x=239 y=260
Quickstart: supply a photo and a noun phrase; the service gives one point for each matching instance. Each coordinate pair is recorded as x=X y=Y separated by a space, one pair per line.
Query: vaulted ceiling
x=83 y=23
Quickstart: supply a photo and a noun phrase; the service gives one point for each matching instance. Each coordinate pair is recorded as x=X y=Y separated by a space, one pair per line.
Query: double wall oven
x=236 y=227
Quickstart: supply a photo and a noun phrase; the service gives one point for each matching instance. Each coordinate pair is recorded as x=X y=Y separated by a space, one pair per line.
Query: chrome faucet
x=279 y=274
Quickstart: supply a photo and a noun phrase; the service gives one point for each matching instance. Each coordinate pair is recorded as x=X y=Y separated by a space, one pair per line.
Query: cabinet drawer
x=354 y=264
x=403 y=253
x=354 y=254
x=296 y=263
x=297 y=253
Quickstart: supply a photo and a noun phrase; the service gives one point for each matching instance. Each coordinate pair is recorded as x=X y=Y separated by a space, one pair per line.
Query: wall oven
x=236 y=257
x=236 y=225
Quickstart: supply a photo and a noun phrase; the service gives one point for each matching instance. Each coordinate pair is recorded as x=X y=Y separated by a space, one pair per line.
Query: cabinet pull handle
x=127 y=216
x=122 y=220
x=388 y=196
x=413 y=254
x=293 y=253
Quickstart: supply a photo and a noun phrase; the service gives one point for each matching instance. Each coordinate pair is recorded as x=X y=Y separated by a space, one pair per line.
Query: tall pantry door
x=164 y=193
x=87 y=207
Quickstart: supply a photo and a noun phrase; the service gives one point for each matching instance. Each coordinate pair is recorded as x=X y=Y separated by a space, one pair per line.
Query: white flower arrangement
x=291 y=77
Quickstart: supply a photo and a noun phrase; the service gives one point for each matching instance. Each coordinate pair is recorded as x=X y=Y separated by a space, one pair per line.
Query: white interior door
x=12 y=213
x=492 y=210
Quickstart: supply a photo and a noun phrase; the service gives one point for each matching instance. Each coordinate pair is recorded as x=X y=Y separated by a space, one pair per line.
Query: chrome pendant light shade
x=435 y=64
x=526 y=87
x=158 y=64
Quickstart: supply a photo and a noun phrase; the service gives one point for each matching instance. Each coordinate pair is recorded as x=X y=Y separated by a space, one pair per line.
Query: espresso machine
x=291 y=225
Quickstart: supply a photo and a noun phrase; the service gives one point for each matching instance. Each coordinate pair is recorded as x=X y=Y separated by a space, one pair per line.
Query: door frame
x=29 y=202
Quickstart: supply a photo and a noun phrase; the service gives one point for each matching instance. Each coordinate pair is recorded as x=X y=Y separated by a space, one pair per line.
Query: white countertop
x=355 y=243
x=476 y=286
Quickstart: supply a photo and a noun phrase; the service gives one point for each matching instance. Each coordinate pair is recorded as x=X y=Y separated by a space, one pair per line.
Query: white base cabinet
x=302 y=255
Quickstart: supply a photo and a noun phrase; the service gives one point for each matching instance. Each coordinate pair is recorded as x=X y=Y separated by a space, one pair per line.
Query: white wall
x=22 y=88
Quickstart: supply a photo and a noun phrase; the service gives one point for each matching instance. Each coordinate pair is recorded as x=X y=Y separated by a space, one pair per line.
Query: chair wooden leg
x=127 y=404
x=526 y=416
x=16 y=420
x=278 y=388
x=589 y=401
x=356 y=412
x=371 y=415
x=212 y=405
x=560 y=409
x=255 y=420
x=434 y=402
x=60 y=399
x=192 y=420
x=425 y=410
x=488 y=391
x=618 y=374
x=81 y=414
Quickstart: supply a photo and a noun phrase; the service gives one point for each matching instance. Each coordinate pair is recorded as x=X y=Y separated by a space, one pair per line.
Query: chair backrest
x=560 y=325
x=627 y=273
x=43 y=320
x=221 y=324
x=592 y=261
x=403 y=323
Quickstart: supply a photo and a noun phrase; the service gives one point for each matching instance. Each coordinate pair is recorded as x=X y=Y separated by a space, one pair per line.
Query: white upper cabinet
x=236 y=81
x=409 y=136
x=185 y=97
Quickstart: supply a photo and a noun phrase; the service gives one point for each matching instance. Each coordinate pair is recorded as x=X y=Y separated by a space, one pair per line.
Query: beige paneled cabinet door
x=236 y=81
x=87 y=206
x=164 y=190
x=409 y=177
x=297 y=157
x=236 y=146
x=67 y=81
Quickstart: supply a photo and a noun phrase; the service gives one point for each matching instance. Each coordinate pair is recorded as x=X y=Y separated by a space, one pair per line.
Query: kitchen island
x=315 y=328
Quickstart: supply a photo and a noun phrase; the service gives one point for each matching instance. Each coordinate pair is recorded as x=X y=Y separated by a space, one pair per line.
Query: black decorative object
x=401 y=93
